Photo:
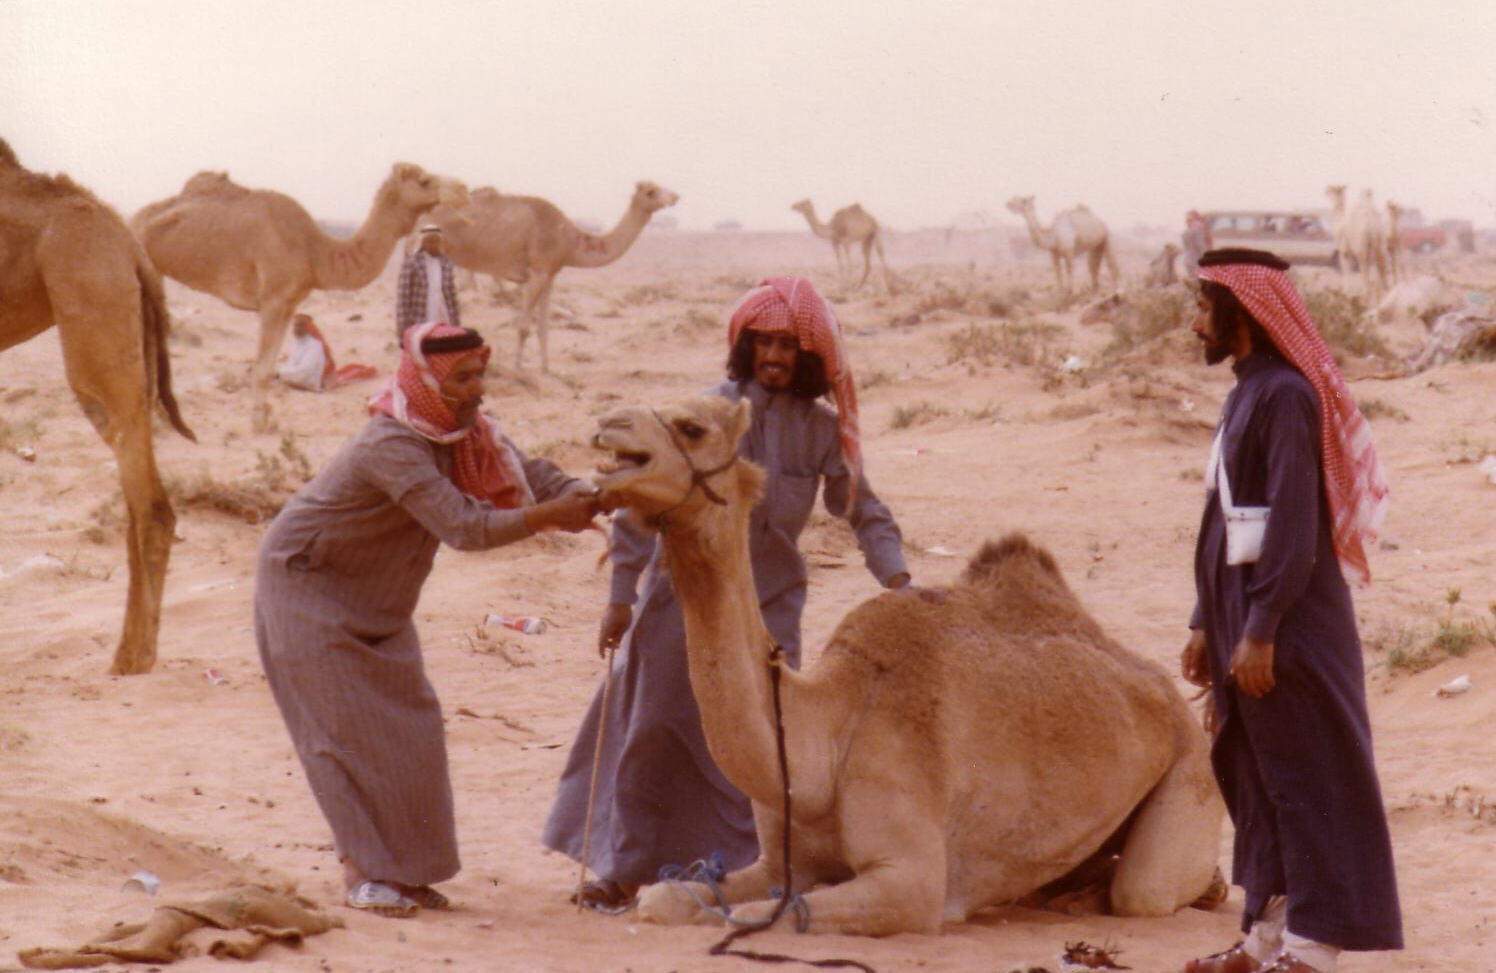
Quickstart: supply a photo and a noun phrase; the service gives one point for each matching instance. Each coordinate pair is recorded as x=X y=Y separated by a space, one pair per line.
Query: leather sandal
x=1233 y=960
x=427 y=897
x=1286 y=962
x=606 y=894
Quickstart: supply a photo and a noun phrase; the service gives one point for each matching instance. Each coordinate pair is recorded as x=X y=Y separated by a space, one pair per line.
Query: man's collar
x=1259 y=359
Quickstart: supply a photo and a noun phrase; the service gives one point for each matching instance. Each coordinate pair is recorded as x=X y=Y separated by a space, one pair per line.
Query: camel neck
x=816 y=226
x=1037 y=233
x=727 y=645
x=598 y=251
x=355 y=262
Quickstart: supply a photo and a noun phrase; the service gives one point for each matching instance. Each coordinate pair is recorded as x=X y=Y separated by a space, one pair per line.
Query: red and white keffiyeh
x=1354 y=485
x=483 y=465
x=794 y=305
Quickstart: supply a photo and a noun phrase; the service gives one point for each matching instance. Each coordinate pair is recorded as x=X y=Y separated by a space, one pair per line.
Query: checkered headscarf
x=484 y=466
x=1354 y=485
x=794 y=305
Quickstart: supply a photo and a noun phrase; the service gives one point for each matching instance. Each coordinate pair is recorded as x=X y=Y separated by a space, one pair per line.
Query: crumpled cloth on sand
x=235 y=923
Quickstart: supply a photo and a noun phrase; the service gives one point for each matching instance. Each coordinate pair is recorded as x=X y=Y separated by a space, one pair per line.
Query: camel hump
x=1013 y=550
x=8 y=156
x=214 y=183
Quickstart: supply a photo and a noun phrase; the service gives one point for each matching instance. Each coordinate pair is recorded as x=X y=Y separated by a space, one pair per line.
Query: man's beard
x=1216 y=352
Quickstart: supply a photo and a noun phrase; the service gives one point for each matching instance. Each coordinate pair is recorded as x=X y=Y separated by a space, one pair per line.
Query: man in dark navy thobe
x=1273 y=633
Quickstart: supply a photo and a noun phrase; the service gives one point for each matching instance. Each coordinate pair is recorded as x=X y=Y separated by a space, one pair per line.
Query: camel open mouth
x=623 y=460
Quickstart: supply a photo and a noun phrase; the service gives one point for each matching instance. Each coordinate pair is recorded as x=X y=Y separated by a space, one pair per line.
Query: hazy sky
x=920 y=110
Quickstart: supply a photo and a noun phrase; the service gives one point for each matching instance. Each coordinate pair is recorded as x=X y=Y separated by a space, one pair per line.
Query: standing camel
x=529 y=240
x=1360 y=234
x=67 y=259
x=260 y=250
x=1075 y=231
x=850 y=226
x=952 y=748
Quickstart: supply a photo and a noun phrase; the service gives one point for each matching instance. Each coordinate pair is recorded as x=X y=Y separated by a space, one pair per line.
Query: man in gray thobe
x=661 y=800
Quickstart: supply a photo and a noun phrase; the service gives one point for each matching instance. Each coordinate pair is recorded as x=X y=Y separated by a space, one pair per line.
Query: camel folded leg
x=1169 y=859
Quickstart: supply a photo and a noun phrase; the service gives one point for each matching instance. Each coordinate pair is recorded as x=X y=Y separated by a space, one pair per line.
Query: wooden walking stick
x=597 y=759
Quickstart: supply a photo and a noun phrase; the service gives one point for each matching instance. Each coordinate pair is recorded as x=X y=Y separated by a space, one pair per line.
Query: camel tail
x=1012 y=551
x=155 y=323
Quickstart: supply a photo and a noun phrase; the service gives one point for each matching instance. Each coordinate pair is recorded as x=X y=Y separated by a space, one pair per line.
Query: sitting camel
x=1161 y=267
x=849 y=226
x=953 y=748
x=67 y=259
x=528 y=240
x=260 y=250
x=1074 y=231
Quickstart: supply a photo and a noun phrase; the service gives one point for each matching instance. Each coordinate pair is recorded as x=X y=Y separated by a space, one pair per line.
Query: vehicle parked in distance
x=1462 y=232
x=1417 y=235
x=1298 y=236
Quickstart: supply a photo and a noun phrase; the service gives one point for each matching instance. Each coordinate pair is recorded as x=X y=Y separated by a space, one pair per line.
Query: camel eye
x=690 y=429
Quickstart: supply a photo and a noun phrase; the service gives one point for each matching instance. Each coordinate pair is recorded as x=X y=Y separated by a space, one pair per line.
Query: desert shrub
x=1380 y=409
x=1343 y=322
x=1149 y=314
x=1028 y=342
x=916 y=414
x=22 y=432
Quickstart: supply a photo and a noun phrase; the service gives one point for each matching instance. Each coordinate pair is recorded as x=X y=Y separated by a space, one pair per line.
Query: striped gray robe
x=340 y=571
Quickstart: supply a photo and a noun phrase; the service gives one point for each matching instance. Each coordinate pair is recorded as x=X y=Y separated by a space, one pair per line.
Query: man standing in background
x=427 y=290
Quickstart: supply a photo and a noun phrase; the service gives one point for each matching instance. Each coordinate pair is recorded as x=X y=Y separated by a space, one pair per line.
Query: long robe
x=1295 y=766
x=340 y=571
x=661 y=799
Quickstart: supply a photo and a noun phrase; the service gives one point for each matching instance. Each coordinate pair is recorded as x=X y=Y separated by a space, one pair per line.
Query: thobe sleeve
x=1289 y=430
x=630 y=549
x=404 y=469
x=547 y=480
x=877 y=533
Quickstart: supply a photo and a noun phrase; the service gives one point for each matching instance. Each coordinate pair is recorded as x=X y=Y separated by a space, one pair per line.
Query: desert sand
x=986 y=407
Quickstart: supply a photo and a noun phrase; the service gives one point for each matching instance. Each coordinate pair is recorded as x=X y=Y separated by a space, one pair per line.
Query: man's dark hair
x=1226 y=307
x=467 y=341
x=808 y=381
x=1242 y=255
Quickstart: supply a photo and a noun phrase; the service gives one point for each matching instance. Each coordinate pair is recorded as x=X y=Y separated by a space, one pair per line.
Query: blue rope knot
x=709 y=872
x=797 y=905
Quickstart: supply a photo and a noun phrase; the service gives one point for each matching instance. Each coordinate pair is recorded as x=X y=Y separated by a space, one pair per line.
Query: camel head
x=1021 y=205
x=803 y=207
x=1336 y=194
x=650 y=197
x=663 y=459
x=415 y=191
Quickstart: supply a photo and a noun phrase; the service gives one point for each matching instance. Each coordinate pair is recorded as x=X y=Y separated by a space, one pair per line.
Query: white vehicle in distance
x=1298 y=236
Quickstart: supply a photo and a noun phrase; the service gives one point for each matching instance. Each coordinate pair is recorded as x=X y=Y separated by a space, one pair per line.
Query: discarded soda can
x=142 y=881
x=528 y=624
x=1455 y=686
x=215 y=677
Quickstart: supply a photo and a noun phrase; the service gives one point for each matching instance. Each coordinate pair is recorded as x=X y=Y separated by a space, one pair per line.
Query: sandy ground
x=188 y=772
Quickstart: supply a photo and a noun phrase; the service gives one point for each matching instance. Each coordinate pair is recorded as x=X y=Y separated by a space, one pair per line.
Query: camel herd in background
x=70 y=260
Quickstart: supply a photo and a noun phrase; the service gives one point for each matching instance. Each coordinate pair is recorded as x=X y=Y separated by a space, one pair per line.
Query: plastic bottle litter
x=528 y=624
x=1455 y=686
x=215 y=677
x=142 y=881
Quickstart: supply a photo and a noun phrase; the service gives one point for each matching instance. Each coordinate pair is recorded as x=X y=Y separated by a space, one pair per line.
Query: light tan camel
x=850 y=226
x=260 y=250
x=1394 y=241
x=1361 y=235
x=67 y=259
x=1074 y=231
x=529 y=240
x=951 y=749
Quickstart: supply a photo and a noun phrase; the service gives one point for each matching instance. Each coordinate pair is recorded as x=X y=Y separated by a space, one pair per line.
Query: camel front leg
x=542 y=317
x=275 y=317
x=897 y=852
x=867 y=261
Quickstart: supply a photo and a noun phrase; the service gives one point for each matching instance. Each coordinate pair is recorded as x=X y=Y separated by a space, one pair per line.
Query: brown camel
x=850 y=226
x=1074 y=231
x=67 y=259
x=529 y=240
x=260 y=250
x=952 y=748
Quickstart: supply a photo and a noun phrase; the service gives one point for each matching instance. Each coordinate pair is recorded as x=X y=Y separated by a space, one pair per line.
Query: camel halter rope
x=698 y=477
